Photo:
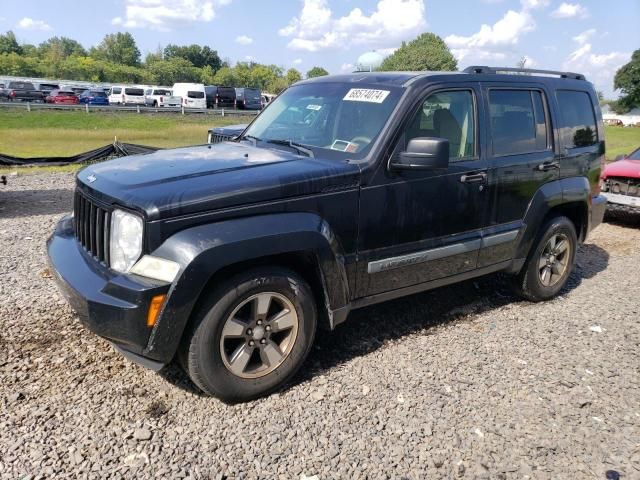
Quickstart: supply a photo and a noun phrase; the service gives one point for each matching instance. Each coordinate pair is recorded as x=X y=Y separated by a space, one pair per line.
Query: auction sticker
x=366 y=95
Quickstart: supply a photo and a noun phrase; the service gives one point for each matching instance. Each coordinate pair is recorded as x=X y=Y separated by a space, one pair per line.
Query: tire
x=208 y=351
x=532 y=282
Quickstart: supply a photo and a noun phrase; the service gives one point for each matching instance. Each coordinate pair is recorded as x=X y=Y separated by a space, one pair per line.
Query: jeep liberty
x=345 y=191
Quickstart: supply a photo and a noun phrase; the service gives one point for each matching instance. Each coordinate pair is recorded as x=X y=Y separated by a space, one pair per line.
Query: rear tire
x=238 y=349
x=550 y=261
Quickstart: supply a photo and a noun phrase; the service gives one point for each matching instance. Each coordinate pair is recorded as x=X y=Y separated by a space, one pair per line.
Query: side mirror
x=423 y=154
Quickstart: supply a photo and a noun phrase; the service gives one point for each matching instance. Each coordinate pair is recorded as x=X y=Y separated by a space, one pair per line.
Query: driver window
x=447 y=115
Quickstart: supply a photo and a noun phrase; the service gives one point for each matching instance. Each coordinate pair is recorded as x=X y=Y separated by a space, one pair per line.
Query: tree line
x=117 y=59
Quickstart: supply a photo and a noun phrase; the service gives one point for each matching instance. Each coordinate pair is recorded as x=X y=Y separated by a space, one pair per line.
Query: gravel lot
x=464 y=381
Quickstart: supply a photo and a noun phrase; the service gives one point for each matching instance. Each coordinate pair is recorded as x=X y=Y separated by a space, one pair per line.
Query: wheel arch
x=301 y=242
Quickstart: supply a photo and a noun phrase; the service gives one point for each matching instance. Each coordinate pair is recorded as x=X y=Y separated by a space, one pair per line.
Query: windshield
x=329 y=116
x=635 y=155
x=193 y=94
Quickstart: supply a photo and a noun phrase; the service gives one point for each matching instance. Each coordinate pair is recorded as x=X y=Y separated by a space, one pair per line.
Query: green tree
x=61 y=47
x=199 y=56
x=9 y=43
x=293 y=76
x=225 y=77
x=173 y=70
x=119 y=48
x=277 y=85
x=627 y=79
x=317 y=72
x=427 y=52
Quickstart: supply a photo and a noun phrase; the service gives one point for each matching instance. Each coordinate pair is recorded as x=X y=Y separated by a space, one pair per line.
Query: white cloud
x=297 y=61
x=347 y=68
x=491 y=41
x=584 y=36
x=598 y=68
x=244 y=40
x=30 y=24
x=317 y=29
x=570 y=10
x=533 y=4
x=165 y=14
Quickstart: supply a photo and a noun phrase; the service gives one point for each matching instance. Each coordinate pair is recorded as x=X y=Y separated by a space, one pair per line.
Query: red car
x=62 y=97
x=620 y=183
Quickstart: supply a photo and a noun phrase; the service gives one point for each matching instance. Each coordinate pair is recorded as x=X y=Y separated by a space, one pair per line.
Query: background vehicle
x=193 y=94
x=161 y=97
x=4 y=95
x=348 y=191
x=62 y=97
x=248 y=99
x=211 y=91
x=226 y=97
x=94 y=97
x=122 y=95
x=47 y=88
x=222 y=134
x=620 y=184
x=24 y=91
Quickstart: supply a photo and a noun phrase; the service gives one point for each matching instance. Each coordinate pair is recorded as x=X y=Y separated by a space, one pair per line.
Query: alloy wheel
x=259 y=335
x=554 y=259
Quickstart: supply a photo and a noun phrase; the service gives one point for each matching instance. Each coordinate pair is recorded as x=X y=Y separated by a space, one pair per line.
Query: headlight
x=126 y=240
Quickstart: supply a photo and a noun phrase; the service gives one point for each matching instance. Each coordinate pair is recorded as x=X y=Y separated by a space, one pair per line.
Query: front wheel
x=550 y=262
x=252 y=335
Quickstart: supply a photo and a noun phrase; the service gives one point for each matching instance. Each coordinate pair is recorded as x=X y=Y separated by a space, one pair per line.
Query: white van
x=193 y=94
x=126 y=95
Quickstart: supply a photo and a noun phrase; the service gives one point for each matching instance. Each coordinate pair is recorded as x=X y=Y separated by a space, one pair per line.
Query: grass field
x=621 y=140
x=46 y=133
x=40 y=133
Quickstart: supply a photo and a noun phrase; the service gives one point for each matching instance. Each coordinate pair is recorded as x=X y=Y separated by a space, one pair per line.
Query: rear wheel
x=252 y=335
x=550 y=262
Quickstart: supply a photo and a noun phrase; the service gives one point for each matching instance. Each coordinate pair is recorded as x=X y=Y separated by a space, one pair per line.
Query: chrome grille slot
x=218 y=137
x=91 y=223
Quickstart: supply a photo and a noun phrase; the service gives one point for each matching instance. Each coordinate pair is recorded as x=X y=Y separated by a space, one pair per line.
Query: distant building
x=369 y=62
x=630 y=118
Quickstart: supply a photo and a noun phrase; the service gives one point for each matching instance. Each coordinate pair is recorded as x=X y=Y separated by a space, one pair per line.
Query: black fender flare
x=552 y=195
x=204 y=250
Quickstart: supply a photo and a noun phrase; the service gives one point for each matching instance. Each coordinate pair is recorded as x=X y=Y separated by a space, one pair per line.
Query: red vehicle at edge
x=62 y=97
x=620 y=183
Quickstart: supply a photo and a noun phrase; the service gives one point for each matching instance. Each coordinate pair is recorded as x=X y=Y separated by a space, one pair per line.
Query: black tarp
x=116 y=149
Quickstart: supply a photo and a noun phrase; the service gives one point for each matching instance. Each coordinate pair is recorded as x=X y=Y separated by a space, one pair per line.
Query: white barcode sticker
x=366 y=95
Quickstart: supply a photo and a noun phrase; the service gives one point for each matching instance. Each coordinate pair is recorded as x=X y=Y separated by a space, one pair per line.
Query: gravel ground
x=465 y=381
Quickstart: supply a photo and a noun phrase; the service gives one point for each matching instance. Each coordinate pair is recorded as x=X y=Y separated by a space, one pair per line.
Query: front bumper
x=112 y=305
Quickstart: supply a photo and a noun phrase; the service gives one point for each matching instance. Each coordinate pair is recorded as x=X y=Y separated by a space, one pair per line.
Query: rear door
x=523 y=158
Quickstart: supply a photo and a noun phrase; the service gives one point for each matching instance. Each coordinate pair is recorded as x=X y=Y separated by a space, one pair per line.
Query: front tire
x=251 y=335
x=550 y=261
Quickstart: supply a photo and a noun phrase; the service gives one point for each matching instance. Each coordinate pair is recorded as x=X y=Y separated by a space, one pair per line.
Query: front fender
x=204 y=250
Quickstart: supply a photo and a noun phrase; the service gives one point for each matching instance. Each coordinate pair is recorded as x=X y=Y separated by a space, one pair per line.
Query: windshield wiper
x=251 y=138
x=290 y=143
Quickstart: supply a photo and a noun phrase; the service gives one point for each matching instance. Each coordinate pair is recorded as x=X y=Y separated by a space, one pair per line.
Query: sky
x=593 y=37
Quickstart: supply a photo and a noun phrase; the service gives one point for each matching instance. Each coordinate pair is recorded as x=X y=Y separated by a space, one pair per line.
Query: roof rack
x=485 y=69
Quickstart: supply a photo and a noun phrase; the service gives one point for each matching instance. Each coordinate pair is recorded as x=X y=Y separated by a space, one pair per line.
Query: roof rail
x=485 y=69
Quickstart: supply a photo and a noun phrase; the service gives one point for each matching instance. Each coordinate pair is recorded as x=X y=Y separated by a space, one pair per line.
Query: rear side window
x=162 y=92
x=578 y=120
x=518 y=121
x=116 y=91
x=136 y=92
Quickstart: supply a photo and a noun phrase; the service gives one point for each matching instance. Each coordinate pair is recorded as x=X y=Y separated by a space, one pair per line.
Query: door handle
x=546 y=166
x=474 y=178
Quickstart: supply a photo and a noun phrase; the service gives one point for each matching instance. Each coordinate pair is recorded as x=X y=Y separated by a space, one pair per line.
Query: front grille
x=622 y=185
x=92 y=225
x=219 y=137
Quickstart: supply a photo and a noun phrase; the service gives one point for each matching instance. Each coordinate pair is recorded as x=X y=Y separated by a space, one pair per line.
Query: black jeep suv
x=346 y=191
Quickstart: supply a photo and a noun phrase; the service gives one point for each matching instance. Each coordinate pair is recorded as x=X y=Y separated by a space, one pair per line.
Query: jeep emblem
x=91 y=178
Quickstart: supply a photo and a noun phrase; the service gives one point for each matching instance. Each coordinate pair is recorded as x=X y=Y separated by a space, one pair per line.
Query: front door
x=417 y=226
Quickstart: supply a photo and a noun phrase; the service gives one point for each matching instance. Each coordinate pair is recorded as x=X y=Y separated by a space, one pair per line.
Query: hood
x=622 y=168
x=185 y=181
